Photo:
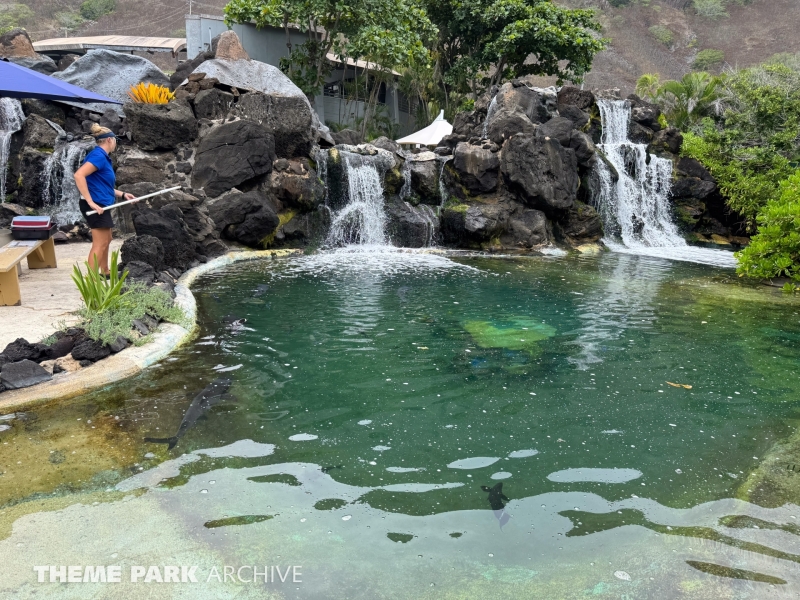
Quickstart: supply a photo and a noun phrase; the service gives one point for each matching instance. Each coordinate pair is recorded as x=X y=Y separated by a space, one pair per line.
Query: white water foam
x=636 y=211
x=60 y=194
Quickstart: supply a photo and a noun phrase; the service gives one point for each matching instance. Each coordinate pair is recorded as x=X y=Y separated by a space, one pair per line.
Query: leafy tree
x=483 y=42
x=91 y=10
x=708 y=58
x=687 y=101
x=775 y=250
x=388 y=33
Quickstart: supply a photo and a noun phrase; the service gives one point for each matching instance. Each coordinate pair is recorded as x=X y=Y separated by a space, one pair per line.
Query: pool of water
x=411 y=425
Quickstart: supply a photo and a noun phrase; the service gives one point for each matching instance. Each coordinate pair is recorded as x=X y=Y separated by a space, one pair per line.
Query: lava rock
x=139 y=272
x=693 y=187
x=691 y=167
x=118 y=345
x=297 y=185
x=409 y=226
x=59 y=348
x=22 y=374
x=559 y=129
x=38 y=133
x=8 y=211
x=143 y=248
x=168 y=226
x=41 y=63
x=247 y=218
x=22 y=349
x=580 y=225
x=573 y=96
x=160 y=126
x=579 y=118
x=136 y=167
x=111 y=74
x=212 y=104
x=585 y=151
x=644 y=113
x=288 y=118
x=140 y=327
x=669 y=140
x=229 y=47
x=349 y=137
x=65 y=364
x=504 y=123
x=542 y=172
x=232 y=154
x=425 y=180
x=477 y=169
x=91 y=350
x=526 y=229
x=17 y=43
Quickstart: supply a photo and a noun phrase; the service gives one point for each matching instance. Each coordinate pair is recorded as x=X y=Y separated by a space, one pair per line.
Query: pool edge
x=133 y=360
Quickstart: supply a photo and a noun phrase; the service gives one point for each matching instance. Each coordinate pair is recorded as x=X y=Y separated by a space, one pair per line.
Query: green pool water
x=376 y=403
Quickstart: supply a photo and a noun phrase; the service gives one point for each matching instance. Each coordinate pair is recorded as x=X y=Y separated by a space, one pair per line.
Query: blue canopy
x=19 y=82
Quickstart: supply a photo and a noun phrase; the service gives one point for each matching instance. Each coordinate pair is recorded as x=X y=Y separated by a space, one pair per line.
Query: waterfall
x=362 y=219
x=489 y=113
x=60 y=195
x=11 y=120
x=405 y=191
x=442 y=188
x=635 y=209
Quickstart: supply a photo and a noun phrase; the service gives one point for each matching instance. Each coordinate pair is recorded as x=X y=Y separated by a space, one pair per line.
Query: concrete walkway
x=48 y=297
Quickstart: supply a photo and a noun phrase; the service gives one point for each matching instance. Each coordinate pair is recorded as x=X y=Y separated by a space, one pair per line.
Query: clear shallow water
x=391 y=389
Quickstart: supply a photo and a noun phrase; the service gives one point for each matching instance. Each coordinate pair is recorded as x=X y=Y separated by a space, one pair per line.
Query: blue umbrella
x=19 y=82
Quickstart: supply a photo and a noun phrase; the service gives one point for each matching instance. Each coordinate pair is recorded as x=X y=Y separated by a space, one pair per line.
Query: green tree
x=689 y=100
x=387 y=33
x=484 y=42
x=775 y=250
x=91 y=10
x=648 y=86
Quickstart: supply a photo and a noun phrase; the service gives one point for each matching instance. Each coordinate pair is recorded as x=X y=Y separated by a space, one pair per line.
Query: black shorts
x=103 y=221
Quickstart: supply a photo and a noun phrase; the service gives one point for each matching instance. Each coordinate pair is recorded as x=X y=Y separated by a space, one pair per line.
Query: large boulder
x=644 y=113
x=579 y=118
x=667 y=140
x=477 y=168
x=410 y=226
x=41 y=64
x=168 y=226
x=111 y=74
x=249 y=219
x=49 y=110
x=425 y=178
x=558 y=128
x=143 y=249
x=160 y=126
x=526 y=228
x=232 y=154
x=350 y=137
x=584 y=148
x=135 y=166
x=26 y=178
x=296 y=185
x=287 y=118
x=9 y=211
x=16 y=43
x=212 y=104
x=23 y=374
x=572 y=96
x=581 y=224
x=229 y=47
x=541 y=171
x=692 y=187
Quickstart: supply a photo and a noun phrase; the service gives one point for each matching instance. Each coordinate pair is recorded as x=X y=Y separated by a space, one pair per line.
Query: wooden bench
x=41 y=254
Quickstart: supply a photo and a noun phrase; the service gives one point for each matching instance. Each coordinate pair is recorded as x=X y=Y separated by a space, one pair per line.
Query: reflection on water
x=387 y=430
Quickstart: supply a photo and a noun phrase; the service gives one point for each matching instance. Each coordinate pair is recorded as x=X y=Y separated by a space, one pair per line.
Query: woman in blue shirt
x=95 y=180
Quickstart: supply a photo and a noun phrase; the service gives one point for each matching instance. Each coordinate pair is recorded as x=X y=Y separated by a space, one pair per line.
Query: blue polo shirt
x=101 y=183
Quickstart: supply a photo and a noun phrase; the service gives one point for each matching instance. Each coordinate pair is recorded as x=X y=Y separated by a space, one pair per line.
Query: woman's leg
x=101 y=240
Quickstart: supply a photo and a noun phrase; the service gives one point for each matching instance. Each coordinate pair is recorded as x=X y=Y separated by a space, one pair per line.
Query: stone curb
x=133 y=360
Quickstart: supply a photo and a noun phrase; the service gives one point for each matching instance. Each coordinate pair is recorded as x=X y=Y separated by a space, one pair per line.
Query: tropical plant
x=775 y=250
x=484 y=42
x=150 y=93
x=687 y=101
x=648 y=85
x=98 y=292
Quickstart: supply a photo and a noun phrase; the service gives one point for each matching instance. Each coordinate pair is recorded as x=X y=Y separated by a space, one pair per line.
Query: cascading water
x=489 y=112
x=635 y=208
x=442 y=187
x=11 y=120
x=60 y=195
x=405 y=191
x=362 y=219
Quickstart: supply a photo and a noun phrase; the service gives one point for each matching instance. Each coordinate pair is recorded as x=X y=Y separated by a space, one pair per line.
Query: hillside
x=661 y=36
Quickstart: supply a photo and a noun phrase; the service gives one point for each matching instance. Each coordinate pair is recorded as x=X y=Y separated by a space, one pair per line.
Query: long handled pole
x=118 y=204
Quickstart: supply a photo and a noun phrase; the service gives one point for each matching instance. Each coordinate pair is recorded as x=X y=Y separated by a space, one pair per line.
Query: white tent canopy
x=430 y=135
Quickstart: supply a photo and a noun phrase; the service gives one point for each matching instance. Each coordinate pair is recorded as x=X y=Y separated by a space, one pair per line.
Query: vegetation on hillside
x=745 y=128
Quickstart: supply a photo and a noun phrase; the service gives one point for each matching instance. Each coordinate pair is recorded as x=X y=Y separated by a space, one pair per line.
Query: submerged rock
x=516 y=333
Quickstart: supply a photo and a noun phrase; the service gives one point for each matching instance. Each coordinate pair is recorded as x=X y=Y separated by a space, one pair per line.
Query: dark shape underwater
x=497 y=502
x=214 y=393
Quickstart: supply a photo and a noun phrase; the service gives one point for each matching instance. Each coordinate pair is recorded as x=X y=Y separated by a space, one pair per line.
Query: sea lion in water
x=210 y=396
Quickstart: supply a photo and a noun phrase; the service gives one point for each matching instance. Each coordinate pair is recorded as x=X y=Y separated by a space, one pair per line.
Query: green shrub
x=137 y=301
x=99 y=293
x=775 y=250
x=91 y=10
x=15 y=15
x=707 y=59
x=662 y=34
x=711 y=9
